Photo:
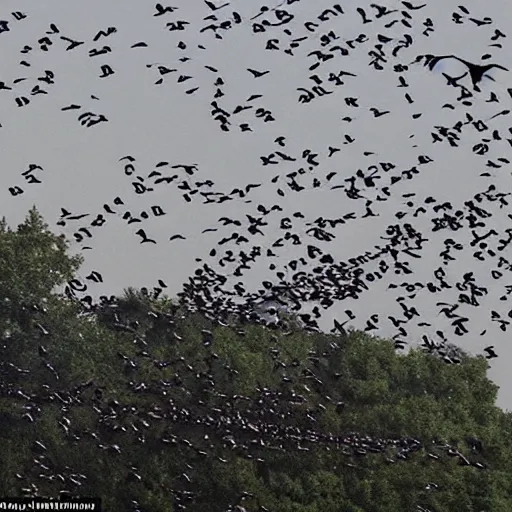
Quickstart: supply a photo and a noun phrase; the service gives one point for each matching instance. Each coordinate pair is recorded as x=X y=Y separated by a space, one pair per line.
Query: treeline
x=157 y=409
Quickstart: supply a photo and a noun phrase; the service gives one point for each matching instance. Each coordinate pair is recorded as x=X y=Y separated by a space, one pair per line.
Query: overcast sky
x=153 y=123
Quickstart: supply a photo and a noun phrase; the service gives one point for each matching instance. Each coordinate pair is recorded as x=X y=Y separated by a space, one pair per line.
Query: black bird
x=333 y=150
x=452 y=80
x=254 y=97
x=413 y=7
x=490 y=352
x=256 y=74
x=214 y=7
x=73 y=44
x=378 y=113
x=160 y=9
x=144 y=237
x=476 y=71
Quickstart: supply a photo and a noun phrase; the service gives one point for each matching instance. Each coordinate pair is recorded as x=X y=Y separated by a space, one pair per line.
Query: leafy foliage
x=147 y=403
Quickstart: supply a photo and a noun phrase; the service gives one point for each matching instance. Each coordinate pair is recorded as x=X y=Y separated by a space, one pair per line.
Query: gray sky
x=156 y=123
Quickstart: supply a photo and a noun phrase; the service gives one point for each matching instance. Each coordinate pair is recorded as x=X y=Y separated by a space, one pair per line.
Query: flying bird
x=215 y=7
x=257 y=74
x=490 y=352
x=413 y=7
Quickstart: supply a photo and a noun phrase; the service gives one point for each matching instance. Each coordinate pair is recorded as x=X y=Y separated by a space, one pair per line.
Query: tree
x=33 y=260
x=143 y=401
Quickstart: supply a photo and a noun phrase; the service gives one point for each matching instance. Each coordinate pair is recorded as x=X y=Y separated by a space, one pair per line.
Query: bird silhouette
x=491 y=354
x=256 y=73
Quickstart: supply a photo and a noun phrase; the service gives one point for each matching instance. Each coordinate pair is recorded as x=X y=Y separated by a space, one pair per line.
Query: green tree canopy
x=140 y=402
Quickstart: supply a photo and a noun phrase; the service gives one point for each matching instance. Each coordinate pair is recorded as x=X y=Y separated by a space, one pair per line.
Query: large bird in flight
x=476 y=71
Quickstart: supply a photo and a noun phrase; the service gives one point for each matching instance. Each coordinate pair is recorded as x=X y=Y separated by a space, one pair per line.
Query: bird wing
x=465 y=62
x=432 y=60
x=499 y=66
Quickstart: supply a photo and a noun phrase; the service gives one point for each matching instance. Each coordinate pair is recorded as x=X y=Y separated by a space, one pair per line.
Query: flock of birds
x=315 y=279
x=211 y=428
x=330 y=280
